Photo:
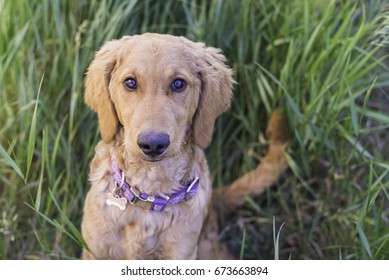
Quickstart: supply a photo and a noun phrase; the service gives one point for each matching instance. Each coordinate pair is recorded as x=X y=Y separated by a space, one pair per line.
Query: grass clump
x=324 y=63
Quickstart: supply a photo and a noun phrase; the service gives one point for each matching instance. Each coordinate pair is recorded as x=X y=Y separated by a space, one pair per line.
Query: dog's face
x=162 y=89
x=155 y=93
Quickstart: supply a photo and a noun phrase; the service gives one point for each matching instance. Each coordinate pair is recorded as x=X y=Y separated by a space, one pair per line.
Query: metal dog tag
x=119 y=202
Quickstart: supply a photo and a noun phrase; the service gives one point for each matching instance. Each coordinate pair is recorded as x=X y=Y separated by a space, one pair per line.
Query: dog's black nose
x=153 y=144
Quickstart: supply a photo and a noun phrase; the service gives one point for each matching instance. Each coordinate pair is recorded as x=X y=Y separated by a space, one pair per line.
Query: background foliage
x=324 y=63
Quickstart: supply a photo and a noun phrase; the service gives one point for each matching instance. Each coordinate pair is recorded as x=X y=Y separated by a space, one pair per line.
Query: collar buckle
x=147 y=198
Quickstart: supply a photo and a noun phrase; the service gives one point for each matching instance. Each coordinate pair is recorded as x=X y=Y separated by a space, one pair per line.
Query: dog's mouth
x=153 y=159
x=168 y=154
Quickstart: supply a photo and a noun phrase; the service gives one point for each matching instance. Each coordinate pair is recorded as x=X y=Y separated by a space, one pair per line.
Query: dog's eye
x=130 y=84
x=178 y=85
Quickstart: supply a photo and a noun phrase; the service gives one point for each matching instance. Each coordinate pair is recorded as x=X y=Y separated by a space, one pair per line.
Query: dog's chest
x=143 y=233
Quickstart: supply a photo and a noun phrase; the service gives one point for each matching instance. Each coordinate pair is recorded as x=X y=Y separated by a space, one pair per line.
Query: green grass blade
x=56 y=144
x=76 y=234
x=276 y=239
x=379 y=116
x=59 y=227
x=354 y=117
x=11 y=162
x=39 y=191
x=15 y=48
x=32 y=135
x=241 y=255
x=364 y=240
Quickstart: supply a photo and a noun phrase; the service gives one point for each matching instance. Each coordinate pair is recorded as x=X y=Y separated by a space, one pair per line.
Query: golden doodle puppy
x=157 y=98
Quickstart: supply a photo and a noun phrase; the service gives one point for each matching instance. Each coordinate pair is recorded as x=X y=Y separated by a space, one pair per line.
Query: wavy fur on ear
x=96 y=88
x=216 y=93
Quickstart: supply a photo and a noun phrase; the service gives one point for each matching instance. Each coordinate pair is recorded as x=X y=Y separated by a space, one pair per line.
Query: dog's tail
x=271 y=167
x=267 y=173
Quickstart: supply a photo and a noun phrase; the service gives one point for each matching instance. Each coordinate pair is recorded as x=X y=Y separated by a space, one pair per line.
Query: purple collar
x=123 y=192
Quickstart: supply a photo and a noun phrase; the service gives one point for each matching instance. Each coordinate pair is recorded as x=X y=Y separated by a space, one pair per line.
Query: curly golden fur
x=187 y=119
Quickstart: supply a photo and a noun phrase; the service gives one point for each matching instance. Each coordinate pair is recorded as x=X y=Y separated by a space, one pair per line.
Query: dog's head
x=160 y=89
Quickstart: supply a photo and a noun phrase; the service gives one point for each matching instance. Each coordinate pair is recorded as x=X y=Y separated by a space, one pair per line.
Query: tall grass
x=324 y=63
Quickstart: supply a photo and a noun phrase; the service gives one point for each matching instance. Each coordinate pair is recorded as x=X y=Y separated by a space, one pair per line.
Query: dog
x=157 y=98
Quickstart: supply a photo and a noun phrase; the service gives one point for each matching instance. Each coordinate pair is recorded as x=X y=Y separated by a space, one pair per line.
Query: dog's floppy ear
x=215 y=96
x=97 y=94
